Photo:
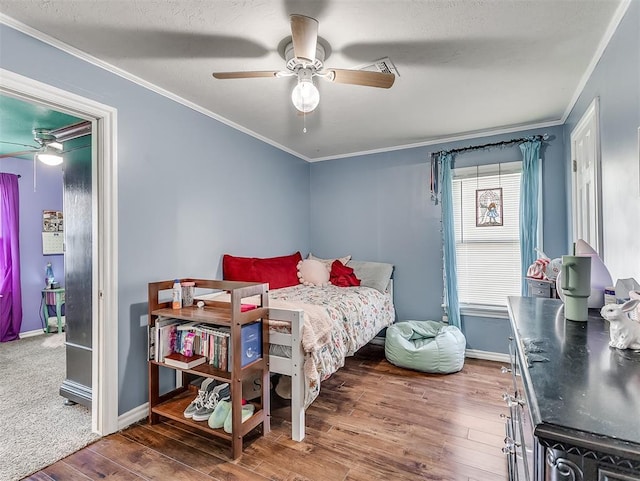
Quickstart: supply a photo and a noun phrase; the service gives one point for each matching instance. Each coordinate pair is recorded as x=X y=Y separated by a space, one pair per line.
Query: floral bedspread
x=357 y=315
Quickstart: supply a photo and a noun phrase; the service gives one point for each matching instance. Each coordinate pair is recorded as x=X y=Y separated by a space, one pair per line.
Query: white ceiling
x=465 y=66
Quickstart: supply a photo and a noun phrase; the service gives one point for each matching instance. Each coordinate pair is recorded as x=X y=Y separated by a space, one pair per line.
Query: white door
x=585 y=179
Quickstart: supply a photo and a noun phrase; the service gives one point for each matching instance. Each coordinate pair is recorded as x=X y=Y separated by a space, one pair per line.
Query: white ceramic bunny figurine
x=624 y=332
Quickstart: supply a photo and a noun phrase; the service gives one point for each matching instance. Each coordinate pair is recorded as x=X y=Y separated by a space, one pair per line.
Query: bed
x=314 y=327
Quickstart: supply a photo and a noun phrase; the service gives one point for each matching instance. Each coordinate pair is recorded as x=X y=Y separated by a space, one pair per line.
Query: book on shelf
x=181 y=361
x=167 y=337
x=166 y=343
x=152 y=341
x=212 y=342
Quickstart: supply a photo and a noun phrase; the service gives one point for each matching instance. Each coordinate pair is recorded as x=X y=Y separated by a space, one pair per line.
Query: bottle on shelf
x=49 y=277
x=176 y=299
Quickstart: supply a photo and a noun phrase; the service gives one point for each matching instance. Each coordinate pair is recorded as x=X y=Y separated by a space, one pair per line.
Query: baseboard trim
x=378 y=341
x=133 y=416
x=36 y=332
x=487 y=355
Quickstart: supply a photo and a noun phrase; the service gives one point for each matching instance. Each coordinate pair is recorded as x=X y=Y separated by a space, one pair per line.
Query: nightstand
x=52 y=297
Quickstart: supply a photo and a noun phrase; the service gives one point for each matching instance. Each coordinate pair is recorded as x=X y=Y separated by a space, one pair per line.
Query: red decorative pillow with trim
x=342 y=276
x=277 y=271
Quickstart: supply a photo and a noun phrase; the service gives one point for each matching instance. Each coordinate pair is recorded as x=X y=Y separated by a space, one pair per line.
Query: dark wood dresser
x=575 y=405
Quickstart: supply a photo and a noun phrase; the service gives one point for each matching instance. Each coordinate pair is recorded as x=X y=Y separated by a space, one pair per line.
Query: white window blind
x=487 y=257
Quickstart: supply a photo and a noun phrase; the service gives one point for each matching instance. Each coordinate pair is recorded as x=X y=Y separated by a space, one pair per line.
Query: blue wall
x=190 y=189
x=377 y=207
x=47 y=196
x=616 y=82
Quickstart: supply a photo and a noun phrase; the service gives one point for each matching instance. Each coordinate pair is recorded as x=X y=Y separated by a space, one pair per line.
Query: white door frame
x=591 y=114
x=104 y=374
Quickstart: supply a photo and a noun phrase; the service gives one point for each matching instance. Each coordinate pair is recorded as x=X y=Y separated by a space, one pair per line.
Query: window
x=486 y=205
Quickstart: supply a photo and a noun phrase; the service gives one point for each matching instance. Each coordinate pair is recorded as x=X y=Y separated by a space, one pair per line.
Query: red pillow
x=277 y=271
x=342 y=276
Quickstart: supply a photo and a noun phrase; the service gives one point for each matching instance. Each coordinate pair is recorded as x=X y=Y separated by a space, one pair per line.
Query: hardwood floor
x=371 y=421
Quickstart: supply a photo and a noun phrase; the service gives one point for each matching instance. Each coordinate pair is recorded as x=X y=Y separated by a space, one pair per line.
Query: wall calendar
x=52 y=232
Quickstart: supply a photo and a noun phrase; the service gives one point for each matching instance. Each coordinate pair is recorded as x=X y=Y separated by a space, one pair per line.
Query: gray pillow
x=372 y=274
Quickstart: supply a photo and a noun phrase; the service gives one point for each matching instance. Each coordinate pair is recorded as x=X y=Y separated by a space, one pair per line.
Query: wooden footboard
x=292 y=366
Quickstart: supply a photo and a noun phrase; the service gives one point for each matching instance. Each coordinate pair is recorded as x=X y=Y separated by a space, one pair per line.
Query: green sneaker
x=247 y=412
x=220 y=413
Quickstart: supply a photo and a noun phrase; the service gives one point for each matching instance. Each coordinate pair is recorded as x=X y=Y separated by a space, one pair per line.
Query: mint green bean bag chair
x=427 y=346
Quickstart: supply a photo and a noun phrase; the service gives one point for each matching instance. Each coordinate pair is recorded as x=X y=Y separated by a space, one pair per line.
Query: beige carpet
x=36 y=428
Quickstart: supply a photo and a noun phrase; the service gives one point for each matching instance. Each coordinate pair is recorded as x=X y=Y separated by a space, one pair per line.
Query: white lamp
x=50 y=156
x=305 y=95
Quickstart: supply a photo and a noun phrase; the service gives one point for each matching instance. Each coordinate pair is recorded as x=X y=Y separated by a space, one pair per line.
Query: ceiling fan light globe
x=305 y=96
x=50 y=159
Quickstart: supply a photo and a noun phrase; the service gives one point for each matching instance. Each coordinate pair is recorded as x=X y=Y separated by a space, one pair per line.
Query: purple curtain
x=11 y=300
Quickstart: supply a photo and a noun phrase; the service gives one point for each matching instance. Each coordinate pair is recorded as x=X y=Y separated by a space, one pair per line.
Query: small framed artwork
x=52 y=221
x=489 y=207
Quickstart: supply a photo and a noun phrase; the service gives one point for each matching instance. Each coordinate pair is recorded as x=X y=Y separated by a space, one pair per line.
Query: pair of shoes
x=221 y=417
x=198 y=402
x=220 y=392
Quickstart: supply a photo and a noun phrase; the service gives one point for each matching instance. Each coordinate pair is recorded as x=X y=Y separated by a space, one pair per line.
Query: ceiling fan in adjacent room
x=48 y=150
x=305 y=59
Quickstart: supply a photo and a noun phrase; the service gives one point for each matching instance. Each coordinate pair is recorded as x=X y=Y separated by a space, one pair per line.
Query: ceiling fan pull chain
x=35 y=156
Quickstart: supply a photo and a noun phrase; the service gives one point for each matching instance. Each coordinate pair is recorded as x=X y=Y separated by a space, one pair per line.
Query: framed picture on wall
x=489 y=207
x=52 y=221
x=52 y=232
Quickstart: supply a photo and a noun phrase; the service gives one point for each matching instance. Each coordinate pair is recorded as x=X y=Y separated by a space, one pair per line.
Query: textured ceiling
x=465 y=66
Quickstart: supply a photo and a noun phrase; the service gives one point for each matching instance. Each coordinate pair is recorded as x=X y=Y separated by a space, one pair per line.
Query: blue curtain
x=445 y=160
x=529 y=192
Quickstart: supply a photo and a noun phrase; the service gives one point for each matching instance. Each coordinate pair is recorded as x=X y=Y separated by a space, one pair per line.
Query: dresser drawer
x=539 y=291
x=539 y=288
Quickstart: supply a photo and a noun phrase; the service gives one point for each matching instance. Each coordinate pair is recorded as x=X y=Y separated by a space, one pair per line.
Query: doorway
x=104 y=315
x=585 y=179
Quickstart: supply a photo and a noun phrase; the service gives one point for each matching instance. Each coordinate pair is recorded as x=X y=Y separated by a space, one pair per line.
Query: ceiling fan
x=305 y=59
x=48 y=151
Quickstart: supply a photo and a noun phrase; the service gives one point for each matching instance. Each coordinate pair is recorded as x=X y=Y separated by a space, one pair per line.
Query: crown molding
x=444 y=140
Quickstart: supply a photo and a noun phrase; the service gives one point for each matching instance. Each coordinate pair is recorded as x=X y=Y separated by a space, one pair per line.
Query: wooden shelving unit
x=172 y=404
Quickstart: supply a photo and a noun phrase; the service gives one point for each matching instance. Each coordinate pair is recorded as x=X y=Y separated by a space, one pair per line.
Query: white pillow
x=328 y=262
x=372 y=274
x=313 y=273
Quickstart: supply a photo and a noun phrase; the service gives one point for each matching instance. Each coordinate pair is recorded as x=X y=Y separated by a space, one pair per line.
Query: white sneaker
x=222 y=391
x=200 y=399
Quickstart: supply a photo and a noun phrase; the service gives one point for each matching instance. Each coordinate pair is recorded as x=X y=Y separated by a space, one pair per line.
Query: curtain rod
x=494 y=144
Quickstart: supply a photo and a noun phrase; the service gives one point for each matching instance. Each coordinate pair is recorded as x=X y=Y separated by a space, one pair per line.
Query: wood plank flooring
x=371 y=421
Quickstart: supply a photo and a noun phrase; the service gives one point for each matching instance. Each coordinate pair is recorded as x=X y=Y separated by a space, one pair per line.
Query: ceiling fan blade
x=304 y=34
x=250 y=74
x=21 y=145
x=381 y=80
x=18 y=154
